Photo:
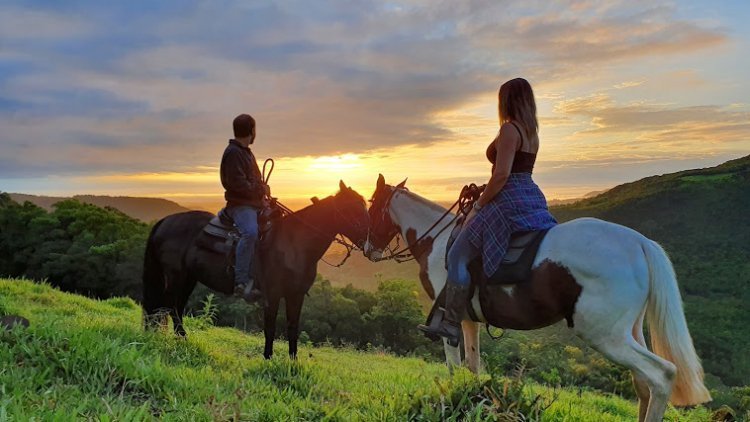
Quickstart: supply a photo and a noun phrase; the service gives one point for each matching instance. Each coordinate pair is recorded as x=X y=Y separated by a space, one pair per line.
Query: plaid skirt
x=519 y=206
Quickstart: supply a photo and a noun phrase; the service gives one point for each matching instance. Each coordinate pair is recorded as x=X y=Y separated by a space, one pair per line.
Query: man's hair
x=243 y=125
x=516 y=102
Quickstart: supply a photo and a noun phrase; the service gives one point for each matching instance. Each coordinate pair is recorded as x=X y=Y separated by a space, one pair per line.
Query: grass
x=709 y=178
x=88 y=359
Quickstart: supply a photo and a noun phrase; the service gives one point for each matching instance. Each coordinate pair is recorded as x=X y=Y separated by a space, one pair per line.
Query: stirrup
x=433 y=324
x=436 y=329
x=248 y=291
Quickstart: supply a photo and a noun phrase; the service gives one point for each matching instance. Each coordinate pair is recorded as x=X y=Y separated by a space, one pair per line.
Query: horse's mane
x=308 y=208
x=424 y=201
x=320 y=202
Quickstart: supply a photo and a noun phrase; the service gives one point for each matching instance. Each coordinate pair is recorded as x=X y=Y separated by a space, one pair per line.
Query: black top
x=241 y=177
x=523 y=162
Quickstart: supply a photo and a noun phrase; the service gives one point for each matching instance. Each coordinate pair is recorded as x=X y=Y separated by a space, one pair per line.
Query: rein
x=403 y=255
x=338 y=238
x=469 y=194
x=286 y=211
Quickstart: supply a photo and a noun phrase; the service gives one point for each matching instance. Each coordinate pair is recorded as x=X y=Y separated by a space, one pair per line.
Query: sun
x=336 y=163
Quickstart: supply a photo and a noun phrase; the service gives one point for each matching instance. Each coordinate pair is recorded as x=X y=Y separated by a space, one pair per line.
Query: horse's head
x=351 y=209
x=382 y=227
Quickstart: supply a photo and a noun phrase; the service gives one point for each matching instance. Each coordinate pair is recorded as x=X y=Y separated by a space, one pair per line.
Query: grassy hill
x=144 y=209
x=83 y=358
x=701 y=218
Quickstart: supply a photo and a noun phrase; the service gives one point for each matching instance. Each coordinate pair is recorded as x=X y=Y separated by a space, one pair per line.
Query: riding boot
x=248 y=291
x=450 y=326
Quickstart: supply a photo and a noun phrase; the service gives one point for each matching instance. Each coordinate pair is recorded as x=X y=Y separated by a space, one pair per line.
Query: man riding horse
x=245 y=193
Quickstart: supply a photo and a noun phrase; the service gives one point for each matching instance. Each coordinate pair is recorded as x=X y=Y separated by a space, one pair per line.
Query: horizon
x=214 y=203
x=137 y=99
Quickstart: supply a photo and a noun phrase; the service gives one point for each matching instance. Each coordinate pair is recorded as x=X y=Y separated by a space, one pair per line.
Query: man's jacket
x=241 y=177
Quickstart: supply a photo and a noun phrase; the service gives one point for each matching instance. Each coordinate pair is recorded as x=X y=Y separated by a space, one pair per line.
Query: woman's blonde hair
x=516 y=102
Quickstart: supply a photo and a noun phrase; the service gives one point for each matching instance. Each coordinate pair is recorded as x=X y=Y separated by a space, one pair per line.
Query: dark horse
x=174 y=263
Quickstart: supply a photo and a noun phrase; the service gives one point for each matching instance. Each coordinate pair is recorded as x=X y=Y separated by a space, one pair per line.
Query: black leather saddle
x=220 y=234
x=221 y=225
x=516 y=264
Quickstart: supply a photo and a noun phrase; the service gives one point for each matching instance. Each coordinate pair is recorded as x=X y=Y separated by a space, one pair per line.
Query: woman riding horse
x=511 y=202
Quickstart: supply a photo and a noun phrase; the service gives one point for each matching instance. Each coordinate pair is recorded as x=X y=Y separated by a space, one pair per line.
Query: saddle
x=516 y=264
x=221 y=236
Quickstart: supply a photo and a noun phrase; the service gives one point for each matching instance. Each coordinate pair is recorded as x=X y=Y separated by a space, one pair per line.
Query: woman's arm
x=506 y=145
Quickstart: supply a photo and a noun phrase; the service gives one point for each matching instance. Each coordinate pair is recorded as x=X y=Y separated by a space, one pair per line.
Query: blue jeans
x=246 y=221
x=461 y=254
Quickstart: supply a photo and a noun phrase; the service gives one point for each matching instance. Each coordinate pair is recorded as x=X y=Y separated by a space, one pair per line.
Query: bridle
x=469 y=194
x=403 y=254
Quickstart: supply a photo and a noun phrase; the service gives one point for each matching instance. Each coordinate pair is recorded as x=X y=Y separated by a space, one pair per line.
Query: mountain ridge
x=141 y=208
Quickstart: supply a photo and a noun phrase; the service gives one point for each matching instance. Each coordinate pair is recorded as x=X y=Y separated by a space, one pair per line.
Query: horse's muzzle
x=371 y=252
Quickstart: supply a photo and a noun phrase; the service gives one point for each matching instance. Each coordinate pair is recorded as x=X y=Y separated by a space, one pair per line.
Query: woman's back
x=525 y=155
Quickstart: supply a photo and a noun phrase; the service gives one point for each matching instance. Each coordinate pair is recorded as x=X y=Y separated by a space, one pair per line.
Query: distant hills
x=144 y=209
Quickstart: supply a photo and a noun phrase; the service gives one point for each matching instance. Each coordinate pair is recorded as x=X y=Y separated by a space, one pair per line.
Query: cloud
x=124 y=87
x=23 y=24
x=659 y=123
x=629 y=84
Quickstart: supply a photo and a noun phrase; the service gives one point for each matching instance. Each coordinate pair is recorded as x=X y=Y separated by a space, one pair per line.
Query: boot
x=248 y=291
x=449 y=327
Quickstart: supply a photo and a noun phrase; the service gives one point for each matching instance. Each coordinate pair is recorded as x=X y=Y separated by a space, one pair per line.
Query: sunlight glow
x=336 y=164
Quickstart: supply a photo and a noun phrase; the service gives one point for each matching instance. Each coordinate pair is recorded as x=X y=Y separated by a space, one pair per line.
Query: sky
x=136 y=98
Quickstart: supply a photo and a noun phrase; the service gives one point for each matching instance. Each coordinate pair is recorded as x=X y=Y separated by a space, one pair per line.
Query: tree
x=394 y=317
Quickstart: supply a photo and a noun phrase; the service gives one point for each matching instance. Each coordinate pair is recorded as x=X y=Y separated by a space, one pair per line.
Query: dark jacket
x=241 y=177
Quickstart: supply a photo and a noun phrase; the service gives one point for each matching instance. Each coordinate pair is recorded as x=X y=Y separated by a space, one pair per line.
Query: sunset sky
x=136 y=98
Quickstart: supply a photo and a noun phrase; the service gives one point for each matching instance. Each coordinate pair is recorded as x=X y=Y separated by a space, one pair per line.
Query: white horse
x=601 y=277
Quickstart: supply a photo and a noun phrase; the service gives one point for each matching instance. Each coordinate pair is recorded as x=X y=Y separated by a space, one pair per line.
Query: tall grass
x=87 y=359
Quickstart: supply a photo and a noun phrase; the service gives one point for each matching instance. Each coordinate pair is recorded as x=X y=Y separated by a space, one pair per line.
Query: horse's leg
x=616 y=341
x=452 y=355
x=172 y=295
x=176 y=315
x=649 y=368
x=270 y=310
x=186 y=287
x=293 y=310
x=639 y=383
x=471 y=344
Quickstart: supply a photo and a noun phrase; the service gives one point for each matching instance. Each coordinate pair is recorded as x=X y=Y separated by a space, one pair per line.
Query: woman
x=510 y=203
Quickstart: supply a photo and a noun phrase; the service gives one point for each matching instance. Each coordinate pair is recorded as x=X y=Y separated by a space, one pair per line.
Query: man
x=245 y=193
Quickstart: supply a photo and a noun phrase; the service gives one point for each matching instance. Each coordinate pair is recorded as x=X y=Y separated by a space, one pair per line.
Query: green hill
x=89 y=359
x=701 y=218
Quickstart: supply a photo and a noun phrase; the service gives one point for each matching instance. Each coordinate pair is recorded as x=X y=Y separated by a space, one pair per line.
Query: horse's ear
x=342 y=185
x=402 y=184
x=381 y=182
x=314 y=200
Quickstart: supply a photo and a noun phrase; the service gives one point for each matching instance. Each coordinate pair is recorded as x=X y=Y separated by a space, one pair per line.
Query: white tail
x=670 y=338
